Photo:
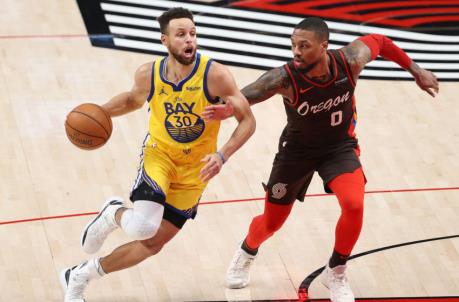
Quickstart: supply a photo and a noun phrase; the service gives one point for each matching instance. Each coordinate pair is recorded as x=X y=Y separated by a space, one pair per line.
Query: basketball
x=88 y=126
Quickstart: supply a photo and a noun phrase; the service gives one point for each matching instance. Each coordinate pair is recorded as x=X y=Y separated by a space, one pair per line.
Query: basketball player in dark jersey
x=318 y=91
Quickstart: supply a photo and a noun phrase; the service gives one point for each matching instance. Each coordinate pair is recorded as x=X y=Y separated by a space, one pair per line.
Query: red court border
x=233 y=201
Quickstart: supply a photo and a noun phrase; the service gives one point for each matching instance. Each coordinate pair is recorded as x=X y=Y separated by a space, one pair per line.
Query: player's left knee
x=353 y=207
x=139 y=227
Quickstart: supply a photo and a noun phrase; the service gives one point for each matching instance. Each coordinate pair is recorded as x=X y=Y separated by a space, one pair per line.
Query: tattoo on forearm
x=355 y=54
x=414 y=67
x=267 y=85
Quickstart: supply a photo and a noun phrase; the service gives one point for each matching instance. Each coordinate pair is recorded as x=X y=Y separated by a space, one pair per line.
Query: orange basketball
x=88 y=126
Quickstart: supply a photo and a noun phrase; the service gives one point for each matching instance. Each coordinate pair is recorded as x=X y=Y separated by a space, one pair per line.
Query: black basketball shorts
x=292 y=172
x=175 y=216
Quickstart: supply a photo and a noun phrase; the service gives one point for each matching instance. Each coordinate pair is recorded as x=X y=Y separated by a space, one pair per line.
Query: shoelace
x=247 y=263
x=340 y=279
x=241 y=263
x=110 y=227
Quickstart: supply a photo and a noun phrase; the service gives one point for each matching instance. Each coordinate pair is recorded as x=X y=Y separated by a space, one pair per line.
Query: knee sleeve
x=143 y=221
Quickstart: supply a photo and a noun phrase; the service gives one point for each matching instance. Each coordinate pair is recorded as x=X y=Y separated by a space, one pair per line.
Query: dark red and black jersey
x=321 y=115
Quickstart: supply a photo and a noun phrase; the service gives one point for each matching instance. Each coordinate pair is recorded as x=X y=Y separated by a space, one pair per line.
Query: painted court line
x=53 y=36
x=236 y=200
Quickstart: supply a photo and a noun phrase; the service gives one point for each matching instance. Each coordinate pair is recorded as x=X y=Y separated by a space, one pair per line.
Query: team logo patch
x=181 y=123
x=344 y=80
x=279 y=190
x=162 y=91
x=195 y=88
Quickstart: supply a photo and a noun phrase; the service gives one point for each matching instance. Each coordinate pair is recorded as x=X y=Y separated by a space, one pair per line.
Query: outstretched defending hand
x=218 y=112
x=427 y=81
x=212 y=168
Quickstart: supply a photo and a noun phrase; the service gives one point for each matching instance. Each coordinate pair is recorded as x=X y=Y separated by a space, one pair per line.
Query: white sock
x=93 y=268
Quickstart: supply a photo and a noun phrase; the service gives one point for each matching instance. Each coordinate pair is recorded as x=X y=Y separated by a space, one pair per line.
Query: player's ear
x=324 y=45
x=164 y=39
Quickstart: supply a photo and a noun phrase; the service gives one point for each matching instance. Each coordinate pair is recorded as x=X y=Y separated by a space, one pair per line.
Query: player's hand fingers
x=436 y=87
x=215 y=112
x=429 y=91
x=203 y=174
x=208 y=112
x=206 y=158
x=207 y=168
x=206 y=177
x=209 y=171
x=434 y=83
x=211 y=174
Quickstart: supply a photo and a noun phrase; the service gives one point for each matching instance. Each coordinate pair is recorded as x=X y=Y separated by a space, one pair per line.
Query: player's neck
x=322 y=71
x=175 y=72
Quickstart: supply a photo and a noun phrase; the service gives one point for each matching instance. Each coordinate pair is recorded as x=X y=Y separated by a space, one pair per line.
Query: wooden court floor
x=409 y=142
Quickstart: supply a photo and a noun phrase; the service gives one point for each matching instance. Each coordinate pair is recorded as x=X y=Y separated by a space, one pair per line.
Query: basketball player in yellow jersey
x=179 y=157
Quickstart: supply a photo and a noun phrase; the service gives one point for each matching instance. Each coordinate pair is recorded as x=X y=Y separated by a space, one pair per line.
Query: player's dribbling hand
x=213 y=166
x=218 y=112
x=427 y=81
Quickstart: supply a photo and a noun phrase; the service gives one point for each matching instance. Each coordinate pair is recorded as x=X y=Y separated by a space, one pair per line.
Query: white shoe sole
x=86 y=228
x=237 y=286
x=324 y=283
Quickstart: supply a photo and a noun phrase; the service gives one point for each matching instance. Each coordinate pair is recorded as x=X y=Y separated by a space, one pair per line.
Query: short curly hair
x=173 y=13
x=316 y=25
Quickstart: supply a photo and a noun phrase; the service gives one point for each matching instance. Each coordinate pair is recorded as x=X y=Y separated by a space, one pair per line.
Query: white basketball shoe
x=335 y=280
x=238 y=275
x=97 y=230
x=74 y=281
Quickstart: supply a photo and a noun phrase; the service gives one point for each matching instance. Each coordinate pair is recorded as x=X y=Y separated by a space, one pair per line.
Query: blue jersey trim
x=139 y=171
x=206 y=88
x=188 y=214
x=152 y=88
x=179 y=86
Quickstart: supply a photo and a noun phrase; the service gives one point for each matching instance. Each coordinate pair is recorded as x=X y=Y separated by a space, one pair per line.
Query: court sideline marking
x=233 y=201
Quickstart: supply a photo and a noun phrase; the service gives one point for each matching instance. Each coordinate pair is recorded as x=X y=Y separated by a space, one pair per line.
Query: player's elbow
x=138 y=105
x=134 y=104
x=251 y=124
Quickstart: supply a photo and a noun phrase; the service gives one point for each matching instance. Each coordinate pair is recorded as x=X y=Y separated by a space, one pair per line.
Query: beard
x=308 y=67
x=182 y=59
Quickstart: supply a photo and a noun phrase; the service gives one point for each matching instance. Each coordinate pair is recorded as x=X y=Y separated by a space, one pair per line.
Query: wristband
x=221 y=156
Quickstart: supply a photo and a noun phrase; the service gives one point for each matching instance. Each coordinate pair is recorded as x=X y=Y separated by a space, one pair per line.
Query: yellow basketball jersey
x=175 y=123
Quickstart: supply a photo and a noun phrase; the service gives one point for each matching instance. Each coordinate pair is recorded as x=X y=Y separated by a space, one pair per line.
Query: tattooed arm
x=274 y=81
x=357 y=55
x=367 y=48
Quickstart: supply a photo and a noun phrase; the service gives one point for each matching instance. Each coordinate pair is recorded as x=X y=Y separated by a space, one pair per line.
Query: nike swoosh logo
x=305 y=90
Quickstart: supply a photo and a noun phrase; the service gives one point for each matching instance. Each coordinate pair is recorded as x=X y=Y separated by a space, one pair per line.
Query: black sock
x=337 y=259
x=248 y=250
